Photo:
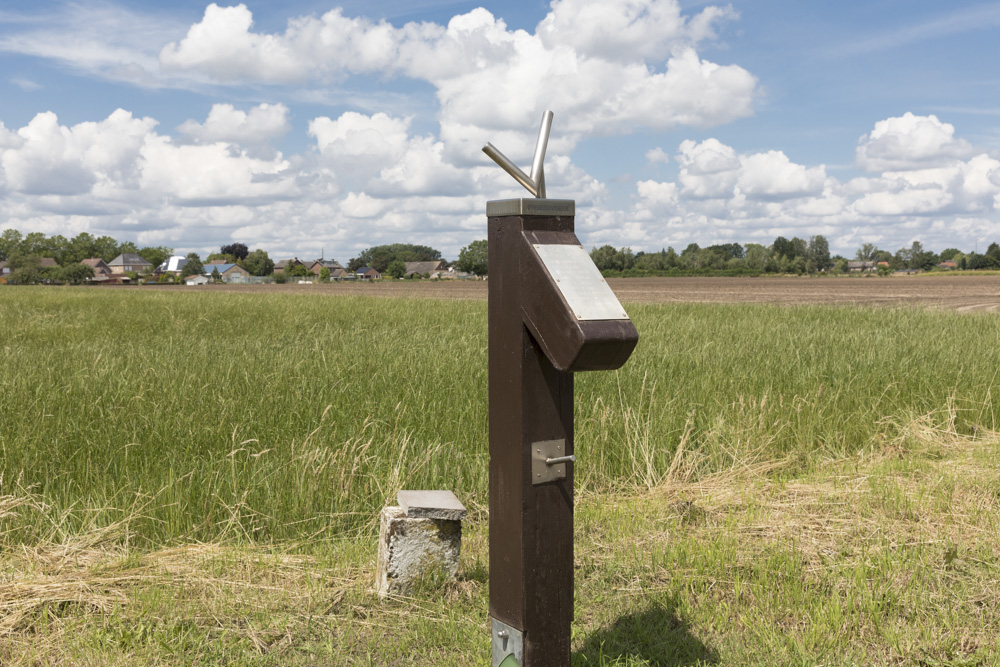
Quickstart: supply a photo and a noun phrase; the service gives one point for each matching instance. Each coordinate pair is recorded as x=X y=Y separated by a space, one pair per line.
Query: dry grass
x=885 y=557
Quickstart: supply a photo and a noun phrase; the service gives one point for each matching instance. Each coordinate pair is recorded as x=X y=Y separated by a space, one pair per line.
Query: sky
x=318 y=128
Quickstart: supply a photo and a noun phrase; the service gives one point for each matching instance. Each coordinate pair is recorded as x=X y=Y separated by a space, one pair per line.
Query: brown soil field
x=960 y=293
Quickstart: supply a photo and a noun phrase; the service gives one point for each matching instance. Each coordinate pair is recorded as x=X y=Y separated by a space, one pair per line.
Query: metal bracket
x=548 y=461
x=507 y=641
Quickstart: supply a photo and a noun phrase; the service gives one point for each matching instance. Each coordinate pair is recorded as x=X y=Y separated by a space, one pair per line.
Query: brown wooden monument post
x=550 y=314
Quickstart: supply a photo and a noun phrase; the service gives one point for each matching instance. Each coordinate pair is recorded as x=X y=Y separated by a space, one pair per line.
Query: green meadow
x=195 y=478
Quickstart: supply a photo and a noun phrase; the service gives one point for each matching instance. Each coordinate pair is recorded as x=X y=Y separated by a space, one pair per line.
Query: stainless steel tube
x=538 y=162
x=511 y=168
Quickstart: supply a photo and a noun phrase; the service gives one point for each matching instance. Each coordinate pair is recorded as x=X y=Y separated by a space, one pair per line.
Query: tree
x=379 y=257
x=867 y=252
x=782 y=247
x=819 y=252
x=975 y=261
x=993 y=256
x=216 y=276
x=10 y=244
x=258 y=263
x=396 y=268
x=324 y=274
x=75 y=273
x=237 y=250
x=949 y=253
x=473 y=258
x=154 y=255
x=605 y=258
x=193 y=267
x=24 y=269
x=756 y=257
x=728 y=250
x=297 y=270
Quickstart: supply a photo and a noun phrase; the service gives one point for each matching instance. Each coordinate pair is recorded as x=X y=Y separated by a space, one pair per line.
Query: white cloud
x=657 y=156
x=910 y=142
x=773 y=175
x=709 y=169
x=222 y=47
x=722 y=196
x=489 y=78
x=353 y=137
x=212 y=173
x=657 y=193
x=53 y=159
x=262 y=124
x=626 y=30
x=102 y=38
x=360 y=205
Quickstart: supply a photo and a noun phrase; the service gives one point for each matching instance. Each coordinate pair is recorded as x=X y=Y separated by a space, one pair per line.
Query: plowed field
x=961 y=293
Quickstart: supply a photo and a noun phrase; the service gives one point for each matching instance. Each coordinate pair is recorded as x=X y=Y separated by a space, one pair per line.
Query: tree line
x=24 y=253
x=795 y=255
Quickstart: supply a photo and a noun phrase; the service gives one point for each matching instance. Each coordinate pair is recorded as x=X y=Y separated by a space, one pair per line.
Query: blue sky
x=311 y=126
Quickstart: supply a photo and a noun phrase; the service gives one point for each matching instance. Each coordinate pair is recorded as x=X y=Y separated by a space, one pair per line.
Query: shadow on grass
x=657 y=637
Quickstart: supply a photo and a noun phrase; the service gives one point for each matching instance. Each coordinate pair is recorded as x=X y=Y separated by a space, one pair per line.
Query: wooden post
x=536 y=341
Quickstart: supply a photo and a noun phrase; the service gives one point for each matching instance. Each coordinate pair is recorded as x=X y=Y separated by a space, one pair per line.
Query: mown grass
x=195 y=478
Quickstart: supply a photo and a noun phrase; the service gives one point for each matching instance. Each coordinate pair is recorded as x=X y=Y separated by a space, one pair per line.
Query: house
x=47 y=263
x=857 y=266
x=4 y=269
x=101 y=270
x=338 y=274
x=318 y=265
x=948 y=265
x=230 y=273
x=196 y=279
x=423 y=268
x=129 y=261
x=367 y=273
x=284 y=264
x=173 y=264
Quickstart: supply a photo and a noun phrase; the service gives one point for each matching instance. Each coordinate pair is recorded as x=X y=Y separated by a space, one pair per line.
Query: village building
x=418 y=269
x=101 y=269
x=173 y=265
x=317 y=266
x=283 y=265
x=129 y=261
x=230 y=273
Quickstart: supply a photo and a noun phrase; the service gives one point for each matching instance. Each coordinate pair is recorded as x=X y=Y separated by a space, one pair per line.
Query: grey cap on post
x=431 y=505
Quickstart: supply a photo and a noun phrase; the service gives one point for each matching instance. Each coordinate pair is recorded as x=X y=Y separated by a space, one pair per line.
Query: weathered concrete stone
x=411 y=549
x=431 y=505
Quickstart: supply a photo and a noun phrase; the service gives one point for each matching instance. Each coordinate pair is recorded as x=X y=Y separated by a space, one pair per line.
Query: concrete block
x=431 y=505
x=410 y=549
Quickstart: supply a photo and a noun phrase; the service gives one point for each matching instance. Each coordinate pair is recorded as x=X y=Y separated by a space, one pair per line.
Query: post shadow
x=657 y=635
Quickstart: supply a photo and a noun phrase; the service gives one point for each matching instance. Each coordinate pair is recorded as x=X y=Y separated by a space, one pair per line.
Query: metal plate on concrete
x=507 y=642
x=581 y=284
x=531 y=206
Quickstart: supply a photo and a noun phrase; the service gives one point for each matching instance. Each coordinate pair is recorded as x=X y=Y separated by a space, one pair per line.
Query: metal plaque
x=508 y=642
x=580 y=283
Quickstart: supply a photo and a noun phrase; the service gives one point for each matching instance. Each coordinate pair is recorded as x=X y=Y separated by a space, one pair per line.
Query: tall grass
x=258 y=417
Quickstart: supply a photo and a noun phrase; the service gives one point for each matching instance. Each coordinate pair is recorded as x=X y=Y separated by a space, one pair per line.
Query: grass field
x=196 y=478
